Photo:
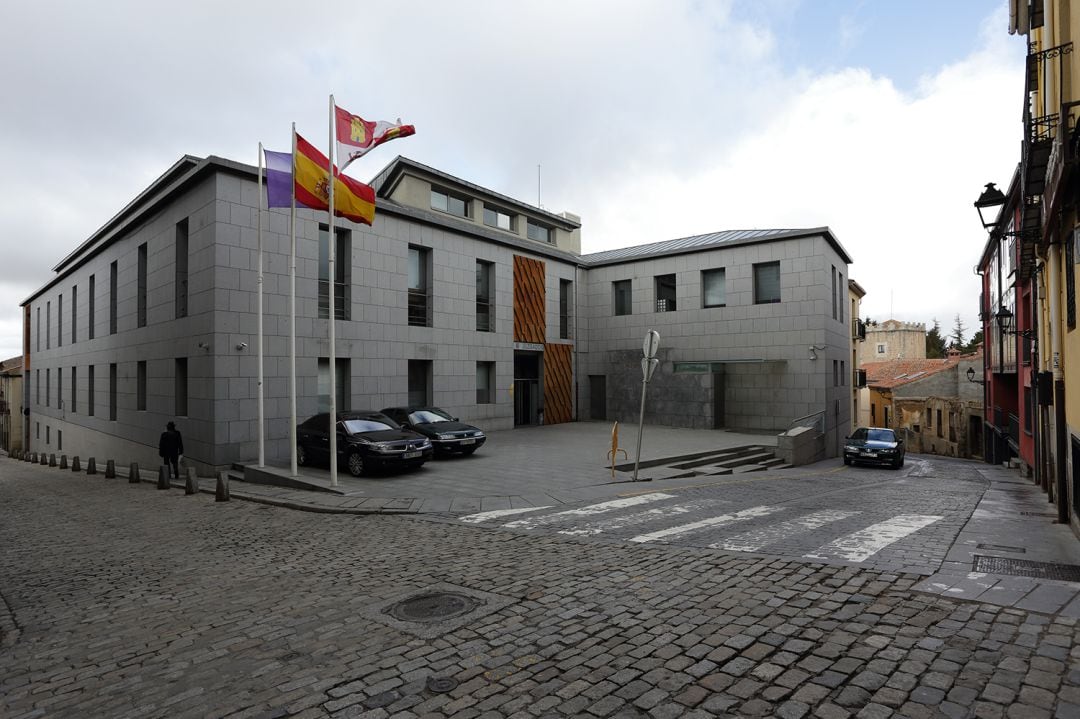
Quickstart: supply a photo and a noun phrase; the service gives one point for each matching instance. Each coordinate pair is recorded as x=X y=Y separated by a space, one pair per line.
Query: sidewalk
x=1012 y=531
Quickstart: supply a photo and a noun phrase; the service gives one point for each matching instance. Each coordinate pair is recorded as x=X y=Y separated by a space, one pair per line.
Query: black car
x=874 y=445
x=445 y=432
x=364 y=440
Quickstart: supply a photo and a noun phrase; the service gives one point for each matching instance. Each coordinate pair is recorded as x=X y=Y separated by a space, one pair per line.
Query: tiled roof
x=893 y=373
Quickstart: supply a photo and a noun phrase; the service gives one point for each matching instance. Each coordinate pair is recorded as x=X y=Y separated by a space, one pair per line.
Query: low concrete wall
x=800 y=445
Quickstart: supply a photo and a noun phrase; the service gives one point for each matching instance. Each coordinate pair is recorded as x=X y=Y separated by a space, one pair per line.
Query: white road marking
x=720 y=520
x=857 y=547
x=756 y=539
x=530 y=523
x=497 y=513
x=607 y=525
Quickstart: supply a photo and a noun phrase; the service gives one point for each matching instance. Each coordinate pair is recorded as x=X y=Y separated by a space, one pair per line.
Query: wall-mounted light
x=971 y=376
x=813 y=353
x=989 y=205
x=204 y=346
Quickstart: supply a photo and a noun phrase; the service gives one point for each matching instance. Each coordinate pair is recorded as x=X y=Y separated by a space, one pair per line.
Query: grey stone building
x=457 y=296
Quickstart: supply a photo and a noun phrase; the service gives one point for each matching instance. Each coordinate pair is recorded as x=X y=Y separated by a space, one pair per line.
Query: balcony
x=858 y=330
x=859 y=379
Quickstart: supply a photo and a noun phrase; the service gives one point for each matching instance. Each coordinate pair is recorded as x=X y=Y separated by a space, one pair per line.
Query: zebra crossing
x=660 y=517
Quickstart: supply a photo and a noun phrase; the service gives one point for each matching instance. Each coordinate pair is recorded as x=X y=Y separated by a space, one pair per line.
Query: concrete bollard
x=192 y=485
x=163 y=477
x=33 y=458
x=91 y=466
x=44 y=459
x=75 y=466
x=110 y=469
x=133 y=473
x=52 y=460
x=221 y=494
x=63 y=461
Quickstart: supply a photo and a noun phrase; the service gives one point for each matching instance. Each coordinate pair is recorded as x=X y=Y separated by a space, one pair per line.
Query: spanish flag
x=352 y=200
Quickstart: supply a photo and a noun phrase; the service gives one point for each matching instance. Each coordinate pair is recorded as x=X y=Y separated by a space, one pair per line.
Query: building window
x=485 y=382
x=485 y=322
x=181 y=247
x=141 y=319
x=451 y=204
x=835 y=373
x=38 y=335
x=37 y=430
x=494 y=217
x=90 y=309
x=1029 y=408
x=48 y=388
x=74 y=311
x=939 y=432
x=342 y=375
x=419 y=286
x=843 y=374
x=74 y=389
x=834 y=292
x=665 y=293
x=881 y=349
x=1070 y=282
x=840 y=296
x=342 y=273
x=48 y=433
x=140 y=386
x=48 y=325
x=181 y=387
x=621 y=292
x=419 y=383
x=112 y=392
x=59 y=440
x=60 y=321
x=90 y=391
x=59 y=387
x=766 y=283
x=113 y=284
x=713 y=288
x=37 y=382
x=566 y=294
x=538 y=232
x=929 y=418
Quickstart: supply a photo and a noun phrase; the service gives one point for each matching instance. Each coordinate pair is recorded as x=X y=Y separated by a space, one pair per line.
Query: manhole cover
x=1001 y=548
x=433 y=607
x=1026 y=568
x=441 y=685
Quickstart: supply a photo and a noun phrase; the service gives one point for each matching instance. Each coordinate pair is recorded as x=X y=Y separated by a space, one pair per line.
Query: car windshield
x=881 y=435
x=366 y=425
x=429 y=416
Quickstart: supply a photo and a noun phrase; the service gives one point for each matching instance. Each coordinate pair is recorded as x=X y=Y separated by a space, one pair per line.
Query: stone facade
x=893 y=339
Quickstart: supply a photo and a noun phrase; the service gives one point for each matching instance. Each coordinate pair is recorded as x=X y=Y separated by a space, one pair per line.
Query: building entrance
x=527 y=405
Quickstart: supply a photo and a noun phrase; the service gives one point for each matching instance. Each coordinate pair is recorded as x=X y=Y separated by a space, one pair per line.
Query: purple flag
x=279 y=182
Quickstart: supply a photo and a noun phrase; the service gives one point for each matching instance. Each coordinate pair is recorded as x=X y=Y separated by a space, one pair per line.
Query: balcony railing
x=858 y=330
x=859 y=380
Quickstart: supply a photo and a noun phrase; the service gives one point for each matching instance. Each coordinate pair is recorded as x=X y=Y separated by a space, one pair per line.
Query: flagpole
x=332 y=252
x=292 y=312
x=259 y=283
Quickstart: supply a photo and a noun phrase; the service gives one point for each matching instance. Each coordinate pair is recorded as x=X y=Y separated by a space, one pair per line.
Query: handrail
x=819 y=422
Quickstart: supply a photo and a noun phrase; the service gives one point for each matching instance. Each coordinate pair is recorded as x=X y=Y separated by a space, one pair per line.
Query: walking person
x=170 y=447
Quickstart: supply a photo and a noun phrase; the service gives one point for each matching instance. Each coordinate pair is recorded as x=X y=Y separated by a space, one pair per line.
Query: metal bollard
x=52 y=460
x=192 y=485
x=133 y=473
x=163 y=477
x=221 y=494
x=44 y=459
x=91 y=466
x=75 y=466
x=110 y=469
x=63 y=461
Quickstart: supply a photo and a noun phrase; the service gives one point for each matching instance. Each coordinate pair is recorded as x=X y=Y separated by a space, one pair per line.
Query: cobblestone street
x=125 y=601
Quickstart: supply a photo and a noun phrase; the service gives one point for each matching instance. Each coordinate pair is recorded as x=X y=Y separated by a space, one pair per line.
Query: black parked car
x=365 y=440
x=874 y=445
x=445 y=432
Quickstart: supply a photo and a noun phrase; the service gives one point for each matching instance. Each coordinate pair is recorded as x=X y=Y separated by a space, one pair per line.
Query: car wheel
x=301 y=455
x=847 y=461
x=355 y=463
x=467 y=452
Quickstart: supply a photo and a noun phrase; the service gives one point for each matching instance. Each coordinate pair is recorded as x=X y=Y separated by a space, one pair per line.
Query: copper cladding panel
x=530 y=305
x=558 y=384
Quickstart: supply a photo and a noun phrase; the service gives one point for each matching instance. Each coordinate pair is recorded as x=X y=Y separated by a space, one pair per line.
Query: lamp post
x=989 y=206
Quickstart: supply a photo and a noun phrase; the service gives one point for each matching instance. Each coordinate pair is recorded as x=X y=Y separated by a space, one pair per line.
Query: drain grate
x=1026 y=568
x=433 y=607
x=1001 y=548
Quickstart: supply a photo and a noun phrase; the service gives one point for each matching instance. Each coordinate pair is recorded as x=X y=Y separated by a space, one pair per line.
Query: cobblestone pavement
x=125 y=601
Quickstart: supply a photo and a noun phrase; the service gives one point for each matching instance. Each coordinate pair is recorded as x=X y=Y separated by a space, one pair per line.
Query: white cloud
x=651 y=119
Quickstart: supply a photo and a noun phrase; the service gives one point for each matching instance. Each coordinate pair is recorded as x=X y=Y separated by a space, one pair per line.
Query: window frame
x=720 y=272
x=498 y=213
x=625 y=289
x=549 y=232
x=419 y=306
x=451 y=197
x=758 y=280
x=485 y=305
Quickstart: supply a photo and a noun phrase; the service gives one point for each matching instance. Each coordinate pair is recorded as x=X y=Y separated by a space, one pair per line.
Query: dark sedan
x=364 y=440
x=445 y=432
x=874 y=445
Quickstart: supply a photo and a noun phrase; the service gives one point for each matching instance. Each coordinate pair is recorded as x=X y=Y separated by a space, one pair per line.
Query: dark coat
x=171 y=444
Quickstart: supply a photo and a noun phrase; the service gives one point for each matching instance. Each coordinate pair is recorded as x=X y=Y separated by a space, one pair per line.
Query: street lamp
x=1004 y=319
x=989 y=205
x=971 y=376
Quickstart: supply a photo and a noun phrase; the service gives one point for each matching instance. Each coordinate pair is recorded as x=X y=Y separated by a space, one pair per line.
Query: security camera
x=242 y=346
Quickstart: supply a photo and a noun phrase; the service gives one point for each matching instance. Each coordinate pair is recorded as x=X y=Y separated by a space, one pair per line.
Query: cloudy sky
x=652 y=119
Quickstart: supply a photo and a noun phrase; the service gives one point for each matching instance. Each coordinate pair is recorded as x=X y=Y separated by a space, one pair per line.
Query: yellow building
x=858 y=336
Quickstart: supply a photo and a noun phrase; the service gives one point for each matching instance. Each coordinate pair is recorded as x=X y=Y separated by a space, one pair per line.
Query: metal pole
x=332 y=251
x=259 y=283
x=641 y=422
x=292 y=317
